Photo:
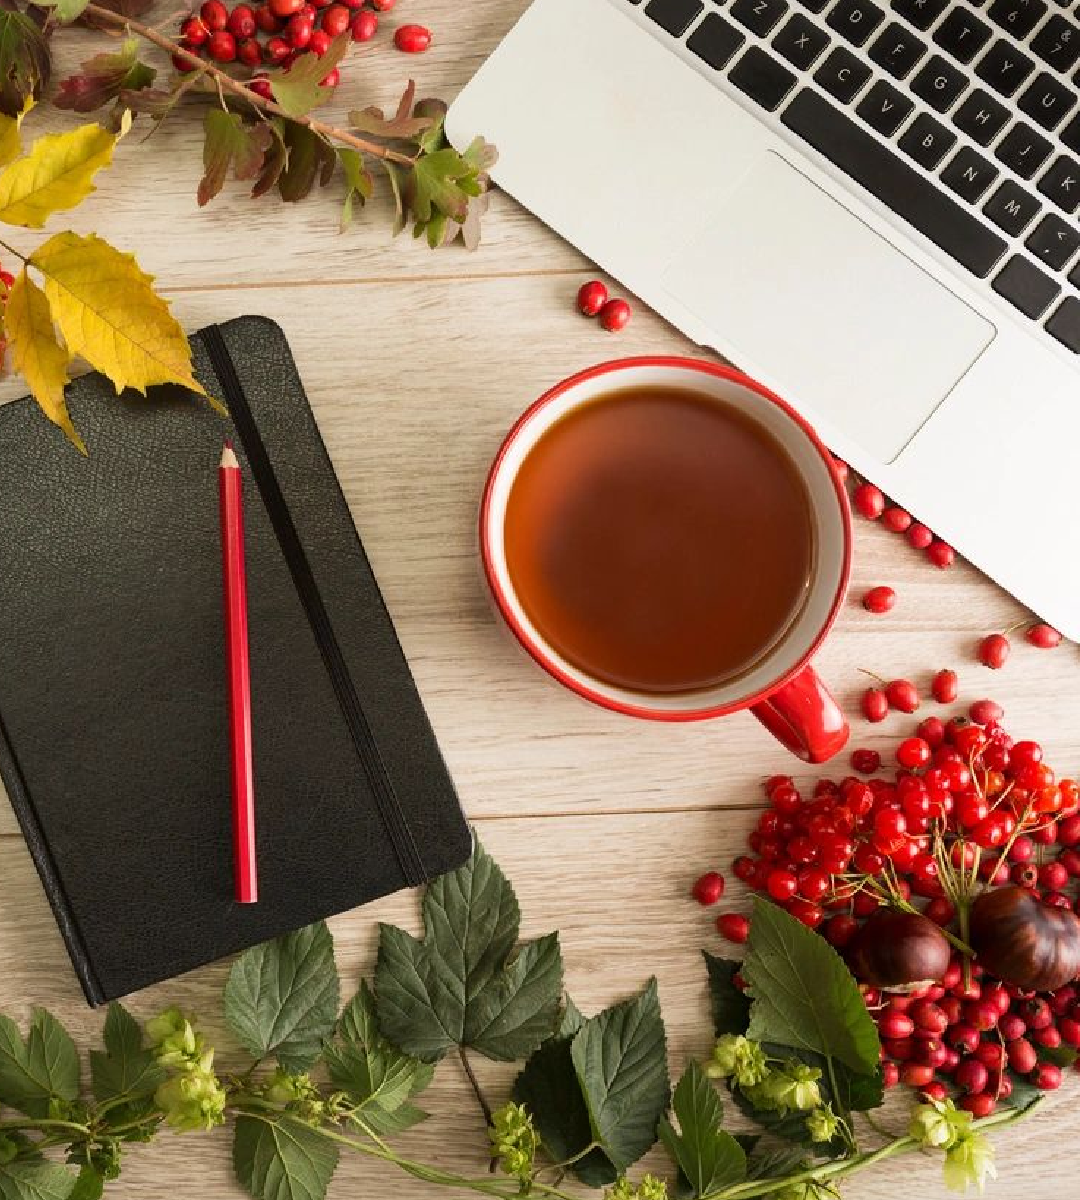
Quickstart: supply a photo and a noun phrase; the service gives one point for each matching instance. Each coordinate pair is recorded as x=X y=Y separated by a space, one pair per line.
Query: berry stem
x=226 y=83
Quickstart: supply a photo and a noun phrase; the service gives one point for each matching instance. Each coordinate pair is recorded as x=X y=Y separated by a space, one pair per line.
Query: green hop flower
x=969 y=1161
x=514 y=1141
x=939 y=1124
x=822 y=1124
x=736 y=1056
x=650 y=1188
x=283 y=1088
x=173 y=1038
x=193 y=1098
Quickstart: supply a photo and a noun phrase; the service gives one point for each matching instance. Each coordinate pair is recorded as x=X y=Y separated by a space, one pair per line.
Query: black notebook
x=113 y=706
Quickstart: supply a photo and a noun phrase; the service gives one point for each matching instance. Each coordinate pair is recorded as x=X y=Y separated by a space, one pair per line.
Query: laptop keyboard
x=962 y=118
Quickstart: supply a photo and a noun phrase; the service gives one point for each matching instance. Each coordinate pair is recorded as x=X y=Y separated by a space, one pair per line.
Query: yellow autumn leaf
x=35 y=352
x=109 y=313
x=10 y=141
x=58 y=173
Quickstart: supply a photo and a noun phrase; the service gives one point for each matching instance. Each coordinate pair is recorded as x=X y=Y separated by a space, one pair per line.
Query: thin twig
x=226 y=82
x=485 y=1108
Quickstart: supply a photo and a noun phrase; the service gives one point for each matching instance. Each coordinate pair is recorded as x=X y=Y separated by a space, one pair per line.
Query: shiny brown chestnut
x=894 y=949
x=1023 y=941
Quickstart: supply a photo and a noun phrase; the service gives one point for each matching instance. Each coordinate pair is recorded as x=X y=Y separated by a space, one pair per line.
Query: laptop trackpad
x=804 y=291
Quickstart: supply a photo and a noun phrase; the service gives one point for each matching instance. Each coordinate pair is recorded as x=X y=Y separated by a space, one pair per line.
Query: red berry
x=1046 y=1077
x=869 y=501
x=1022 y=1056
x=913 y=753
x=902 y=695
x=260 y=85
x=879 y=600
x=941 y=554
x=916 y=1075
x=241 y=22
x=331 y=80
x=895 y=1025
x=615 y=315
x=734 y=927
x=840 y=929
x=320 y=43
x=994 y=650
x=932 y=731
x=383 y=5
x=283 y=9
x=249 y=52
x=875 y=705
x=709 y=888
x=934 y=1090
x=1046 y=637
x=298 y=31
x=221 y=45
x=194 y=32
x=1053 y=875
x=781 y=885
x=335 y=20
x=896 y=519
x=980 y=1104
x=919 y=536
x=415 y=39
x=277 y=50
x=591 y=297
x=214 y=15
x=364 y=26
x=945 y=687
x=266 y=20
x=866 y=762
x=183 y=64
x=1069 y=1028
x=984 y=712
x=970 y=1075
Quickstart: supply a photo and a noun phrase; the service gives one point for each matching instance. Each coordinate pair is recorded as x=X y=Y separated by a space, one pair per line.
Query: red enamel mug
x=782 y=690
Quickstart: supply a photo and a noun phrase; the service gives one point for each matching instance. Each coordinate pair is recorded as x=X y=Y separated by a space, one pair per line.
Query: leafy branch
x=592 y=1097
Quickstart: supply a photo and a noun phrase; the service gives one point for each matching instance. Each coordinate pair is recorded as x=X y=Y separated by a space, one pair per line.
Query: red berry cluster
x=993 y=650
x=870 y=502
x=592 y=301
x=964 y=796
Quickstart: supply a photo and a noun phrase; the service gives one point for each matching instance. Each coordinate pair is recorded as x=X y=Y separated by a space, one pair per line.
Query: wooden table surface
x=416 y=363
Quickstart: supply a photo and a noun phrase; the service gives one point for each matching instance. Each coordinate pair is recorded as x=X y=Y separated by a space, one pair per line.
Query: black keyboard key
x=939 y=83
x=1023 y=150
x=962 y=34
x=762 y=78
x=759 y=16
x=896 y=50
x=715 y=41
x=1025 y=286
x=920 y=13
x=884 y=108
x=1057 y=44
x=1047 y=101
x=981 y=117
x=1019 y=17
x=927 y=141
x=896 y=185
x=842 y=75
x=1004 y=68
x=1070 y=135
x=1061 y=183
x=814 y=5
x=1065 y=324
x=1011 y=208
x=1054 y=242
x=968 y=174
x=800 y=42
x=674 y=15
x=855 y=20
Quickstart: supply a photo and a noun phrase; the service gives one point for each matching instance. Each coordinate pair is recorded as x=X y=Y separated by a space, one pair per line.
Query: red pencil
x=234 y=589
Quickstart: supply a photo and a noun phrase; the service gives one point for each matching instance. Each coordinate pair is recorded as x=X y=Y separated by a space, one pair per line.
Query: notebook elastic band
x=367 y=750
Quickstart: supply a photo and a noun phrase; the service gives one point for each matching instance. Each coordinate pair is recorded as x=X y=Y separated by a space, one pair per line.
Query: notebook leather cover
x=113 y=706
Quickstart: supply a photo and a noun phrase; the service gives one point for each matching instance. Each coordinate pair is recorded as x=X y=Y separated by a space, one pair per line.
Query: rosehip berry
x=902 y=695
x=591 y=297
x=335 y=20
x=896 y=519
x=781 y=885
x=283 y=9
x=194 y=32
x=895 y=1025
x=1012 y=1026
x=241 y=22
x=1069 y=1028
x=916 y=1075
x=875 y=705
x=615 y=315
x=985 y=712
x=383 y=5
x=932 y=731
x=221 y=45
x=945 y=687
x=298 y=31
x=1046 y=1077
x=413 y=39
x=260 y=85
x=277 y=50
x=249 y=52
x=941 y=554
x=869 y=501
x=1054 y=876
x=1046 y=637
x=734 y=927
x=994 y=650
x=940 y=910
x=980 y=1104
x=919 y=536
x=364 y=26
x=709 y=888
x=970 y=1076
x=866 y=762
x=934 y=1090
x=879 y=600
x=320 y=43
x=913 y=753
x=214 y=15
x=182 y=64
x=839 y=930
x=266 y=20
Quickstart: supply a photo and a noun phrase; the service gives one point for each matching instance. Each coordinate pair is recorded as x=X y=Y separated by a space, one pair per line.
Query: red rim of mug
x=538 y=651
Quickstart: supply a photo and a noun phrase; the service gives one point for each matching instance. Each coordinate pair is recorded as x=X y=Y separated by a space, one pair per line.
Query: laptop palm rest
x=803 y=286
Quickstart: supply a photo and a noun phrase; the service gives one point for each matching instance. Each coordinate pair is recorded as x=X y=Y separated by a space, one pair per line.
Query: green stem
x=30 y=1123
x=485 y=1108
x=569 y=1162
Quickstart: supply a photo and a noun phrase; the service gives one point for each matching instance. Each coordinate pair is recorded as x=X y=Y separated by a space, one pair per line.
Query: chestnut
x=893 y=949
x=1023 y=941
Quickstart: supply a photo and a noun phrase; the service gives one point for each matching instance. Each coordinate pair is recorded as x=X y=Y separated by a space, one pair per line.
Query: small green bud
x=822 y=1124
x=514 y=1141
x=736 y=1056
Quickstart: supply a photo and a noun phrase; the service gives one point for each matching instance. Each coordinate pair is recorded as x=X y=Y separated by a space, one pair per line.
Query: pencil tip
x=228 y=456
x=228 y=444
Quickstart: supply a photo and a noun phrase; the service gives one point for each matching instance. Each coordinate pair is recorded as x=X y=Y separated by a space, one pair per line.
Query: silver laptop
x=869 y=205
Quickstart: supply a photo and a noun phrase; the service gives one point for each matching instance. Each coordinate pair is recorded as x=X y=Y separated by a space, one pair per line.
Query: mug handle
x=804 y=716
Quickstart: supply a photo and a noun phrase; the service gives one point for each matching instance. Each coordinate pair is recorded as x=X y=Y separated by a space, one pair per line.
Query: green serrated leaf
x=299 y=88
x=803 y=994
x=36 y=1181
x=126 y=1067
x=228 y=141
x=304 y=158
x=730 y=1008
x=1024 y=1093
x=620 y=1058
x=358 y=183
x=708 y=1157
x=282 y=1159
x=89 y=1184
x=571 y=1020
x=776 y=1162
x=43 y=1068
x=460 y=986
x=281 y=997
x=25 y=61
